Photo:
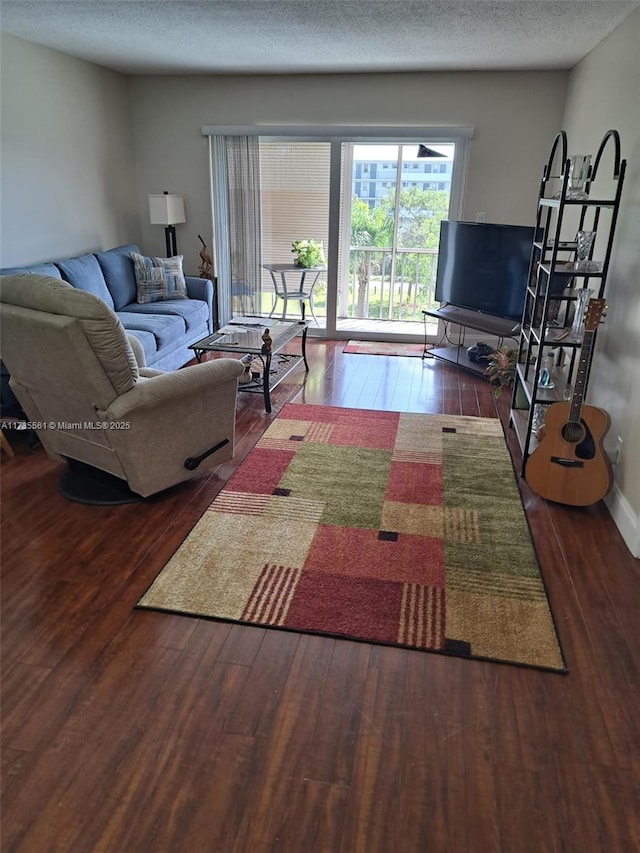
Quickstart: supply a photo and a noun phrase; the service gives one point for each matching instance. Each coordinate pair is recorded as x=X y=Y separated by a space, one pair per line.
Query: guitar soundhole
x=573 y=432
x=579 y=434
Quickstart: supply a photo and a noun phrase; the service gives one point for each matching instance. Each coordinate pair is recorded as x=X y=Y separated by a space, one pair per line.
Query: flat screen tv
x=484 y=267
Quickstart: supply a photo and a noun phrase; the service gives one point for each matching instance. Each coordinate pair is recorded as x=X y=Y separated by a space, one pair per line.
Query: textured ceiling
x=308 y=36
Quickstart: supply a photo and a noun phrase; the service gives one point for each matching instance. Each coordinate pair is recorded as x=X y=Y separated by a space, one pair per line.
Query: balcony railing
x=378 y=285
x=387 y=285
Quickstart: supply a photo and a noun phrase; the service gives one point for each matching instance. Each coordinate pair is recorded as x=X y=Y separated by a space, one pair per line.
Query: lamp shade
x=166 y=209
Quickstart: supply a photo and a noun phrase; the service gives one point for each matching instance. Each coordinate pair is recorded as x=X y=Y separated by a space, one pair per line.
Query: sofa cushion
x=194 y=312
x=159 y=278
x=147 y=341
x=117 y=269
x=34 y=269
x=166 y=328
x=84 y=273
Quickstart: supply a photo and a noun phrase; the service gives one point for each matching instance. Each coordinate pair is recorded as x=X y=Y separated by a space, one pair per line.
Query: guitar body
x=570 y=466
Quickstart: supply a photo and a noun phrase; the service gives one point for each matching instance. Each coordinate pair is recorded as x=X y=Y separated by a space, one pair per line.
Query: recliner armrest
x=175 y=385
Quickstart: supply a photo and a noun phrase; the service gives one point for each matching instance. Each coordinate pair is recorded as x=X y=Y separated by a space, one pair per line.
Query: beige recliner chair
x=77 y=377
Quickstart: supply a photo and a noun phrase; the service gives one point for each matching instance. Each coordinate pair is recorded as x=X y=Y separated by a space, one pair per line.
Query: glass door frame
x=460 y=136
x=341 y=182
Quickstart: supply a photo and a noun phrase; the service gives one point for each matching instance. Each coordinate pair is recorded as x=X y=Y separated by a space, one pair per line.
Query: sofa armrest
x=203 y=289
x=199 y=288
x=138 y=351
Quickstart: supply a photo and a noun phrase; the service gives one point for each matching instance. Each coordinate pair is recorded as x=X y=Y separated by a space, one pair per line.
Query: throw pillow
x=158 y=279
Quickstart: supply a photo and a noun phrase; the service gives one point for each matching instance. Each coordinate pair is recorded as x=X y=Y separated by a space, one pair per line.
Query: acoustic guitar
x=569 y=465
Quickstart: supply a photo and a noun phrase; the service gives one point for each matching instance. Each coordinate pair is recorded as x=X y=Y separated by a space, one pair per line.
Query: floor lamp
x=167 y=210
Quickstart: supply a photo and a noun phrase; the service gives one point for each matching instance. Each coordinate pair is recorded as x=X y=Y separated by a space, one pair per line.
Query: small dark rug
x=383 y=348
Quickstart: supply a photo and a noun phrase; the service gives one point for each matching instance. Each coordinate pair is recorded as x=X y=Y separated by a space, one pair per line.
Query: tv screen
x=484 y=266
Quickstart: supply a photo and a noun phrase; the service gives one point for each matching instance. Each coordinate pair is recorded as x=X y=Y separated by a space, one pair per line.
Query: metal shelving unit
x=546 y=341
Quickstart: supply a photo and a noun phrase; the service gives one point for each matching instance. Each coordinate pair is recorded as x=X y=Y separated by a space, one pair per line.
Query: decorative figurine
x=266 y=341
x=204 y=270
x=246 y=376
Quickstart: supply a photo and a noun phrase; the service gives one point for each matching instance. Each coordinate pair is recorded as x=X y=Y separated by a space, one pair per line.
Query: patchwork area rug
x=402 y=529
x=383 y=348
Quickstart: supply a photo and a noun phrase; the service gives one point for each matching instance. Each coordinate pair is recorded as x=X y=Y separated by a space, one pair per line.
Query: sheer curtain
x=221 y=238
x=237 y=226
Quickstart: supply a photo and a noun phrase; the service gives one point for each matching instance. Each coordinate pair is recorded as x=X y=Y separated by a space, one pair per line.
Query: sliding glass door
x=390 y=227
x=375 y=205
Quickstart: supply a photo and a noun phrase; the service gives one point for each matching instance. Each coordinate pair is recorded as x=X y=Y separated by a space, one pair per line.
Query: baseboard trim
x=625 y=519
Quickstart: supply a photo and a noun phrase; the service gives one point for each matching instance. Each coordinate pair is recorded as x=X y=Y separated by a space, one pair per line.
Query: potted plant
x=308 y=253
x=501 y=368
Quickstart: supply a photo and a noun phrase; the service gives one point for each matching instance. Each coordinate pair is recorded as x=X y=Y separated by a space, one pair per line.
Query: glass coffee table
x=245 y=335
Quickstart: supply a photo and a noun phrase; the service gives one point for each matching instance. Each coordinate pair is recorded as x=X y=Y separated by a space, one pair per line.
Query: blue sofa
x=164 y=329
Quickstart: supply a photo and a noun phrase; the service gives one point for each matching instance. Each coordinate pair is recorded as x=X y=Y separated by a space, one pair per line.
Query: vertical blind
x=295 y=197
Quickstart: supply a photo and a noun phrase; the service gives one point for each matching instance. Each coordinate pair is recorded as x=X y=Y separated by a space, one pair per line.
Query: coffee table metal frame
x=244 y=335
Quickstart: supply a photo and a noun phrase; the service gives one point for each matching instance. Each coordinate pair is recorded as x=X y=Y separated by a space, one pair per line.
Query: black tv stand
x=454 y=350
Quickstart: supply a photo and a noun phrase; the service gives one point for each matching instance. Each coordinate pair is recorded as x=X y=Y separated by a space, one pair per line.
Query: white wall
x=604 y=93
x=66 y=153
x=516 y=117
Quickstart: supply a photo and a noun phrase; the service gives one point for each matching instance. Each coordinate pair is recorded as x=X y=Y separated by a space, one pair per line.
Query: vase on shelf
x=546 y=373
x=584 y=247
x=582 y=298
x=579 y=170
x=537 y=422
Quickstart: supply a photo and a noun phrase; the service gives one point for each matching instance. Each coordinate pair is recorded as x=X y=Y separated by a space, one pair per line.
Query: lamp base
x=170 y=239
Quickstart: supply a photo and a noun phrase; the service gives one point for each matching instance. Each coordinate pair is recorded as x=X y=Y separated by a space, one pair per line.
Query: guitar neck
x=581 y=377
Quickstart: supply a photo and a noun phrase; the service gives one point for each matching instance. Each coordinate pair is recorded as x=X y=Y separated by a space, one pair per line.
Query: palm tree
x=369 y=227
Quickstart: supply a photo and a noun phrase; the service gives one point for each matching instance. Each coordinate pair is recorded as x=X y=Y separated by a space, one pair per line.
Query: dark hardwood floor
x=127 y=730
